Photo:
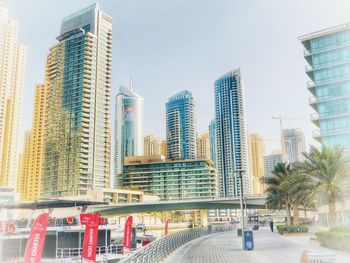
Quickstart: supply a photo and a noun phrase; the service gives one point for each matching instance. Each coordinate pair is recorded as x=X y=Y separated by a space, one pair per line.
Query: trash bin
x=248 y=240
x=239 y=232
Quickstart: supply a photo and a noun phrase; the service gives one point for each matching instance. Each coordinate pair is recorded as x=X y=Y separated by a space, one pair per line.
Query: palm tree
x=329 y=170
x=278 y=194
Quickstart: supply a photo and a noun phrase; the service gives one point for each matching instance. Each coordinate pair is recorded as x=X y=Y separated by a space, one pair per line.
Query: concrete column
x=203 y=217
x=128 y=198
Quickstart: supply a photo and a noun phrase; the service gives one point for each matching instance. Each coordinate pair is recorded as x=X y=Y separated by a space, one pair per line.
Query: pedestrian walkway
x=269 y=248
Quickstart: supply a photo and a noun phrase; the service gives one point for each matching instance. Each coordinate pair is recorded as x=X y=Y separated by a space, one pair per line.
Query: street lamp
x=240 y=173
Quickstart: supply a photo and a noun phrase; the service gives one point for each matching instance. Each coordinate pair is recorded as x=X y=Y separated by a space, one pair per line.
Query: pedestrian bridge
x=250 y=202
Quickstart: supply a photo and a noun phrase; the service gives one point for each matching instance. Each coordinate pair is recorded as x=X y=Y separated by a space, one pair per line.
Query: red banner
x=127 y=234
x=36 y=240
x=84 y=218
x=90 y=238
x=166 y=228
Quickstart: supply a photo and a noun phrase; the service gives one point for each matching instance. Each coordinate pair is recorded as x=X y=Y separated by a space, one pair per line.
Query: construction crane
x=281 y=119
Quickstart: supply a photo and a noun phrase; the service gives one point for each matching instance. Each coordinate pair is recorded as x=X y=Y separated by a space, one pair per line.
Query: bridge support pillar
x=203 y=217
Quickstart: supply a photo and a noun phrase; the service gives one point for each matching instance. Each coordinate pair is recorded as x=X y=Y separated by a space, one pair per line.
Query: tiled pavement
x=269 y=248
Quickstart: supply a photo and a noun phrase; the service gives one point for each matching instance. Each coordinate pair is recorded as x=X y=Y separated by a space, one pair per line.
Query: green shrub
x=335 y=238
x=292 y=229
x=341 y=229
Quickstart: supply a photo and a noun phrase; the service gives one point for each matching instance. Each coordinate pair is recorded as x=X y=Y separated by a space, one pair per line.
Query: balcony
x=311 y=87
x=313 y=103
x=308 y=56
x=315 y=118
x=316 y=134
x=310 y=72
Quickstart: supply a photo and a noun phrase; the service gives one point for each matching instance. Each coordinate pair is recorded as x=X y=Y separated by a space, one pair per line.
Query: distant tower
x=231 y=133
x=294 y=144
x=12 y=62
x=128 y=127
x=256 y=161
x=212 y=141
x=270 y=161
x=151 y=145
x=203 y=146
x=181 y=126
x=163 y=148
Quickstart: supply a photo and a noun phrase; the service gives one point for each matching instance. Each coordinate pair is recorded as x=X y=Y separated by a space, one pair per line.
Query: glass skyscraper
x=212 y=141
x=294 y=145
x=231 y=140
x=128 y=127
x=181 y=126
x=78 y=75
x=328 y=55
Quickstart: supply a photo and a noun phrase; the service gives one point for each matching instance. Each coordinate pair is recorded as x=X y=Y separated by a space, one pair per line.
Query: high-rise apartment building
x=203 y=145
x=31 y=176
x=128 y=127
x=328 y=54
x=231 y=140
x=212 y=141
x=78 y=75
x=163 y=148
x=270 y=161
x=294 y=145
x=151 y=145
x=181 y=126
x=256 y=163
x=12 y=62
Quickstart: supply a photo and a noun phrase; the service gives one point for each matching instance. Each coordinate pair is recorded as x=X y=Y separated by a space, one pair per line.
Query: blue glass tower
x=181 y=126
x=231 y=140
x=328 y=55
x=212 y=141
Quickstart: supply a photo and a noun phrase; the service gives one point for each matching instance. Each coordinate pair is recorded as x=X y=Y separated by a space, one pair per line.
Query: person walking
x=271 y=225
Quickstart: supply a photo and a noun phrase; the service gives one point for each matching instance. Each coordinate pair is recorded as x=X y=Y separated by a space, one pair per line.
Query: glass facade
x=181 y=127
x=328 y=55
x=128 y=127
x=231 y=140
x=171 y=179
x=78 y=74
x=212 y=141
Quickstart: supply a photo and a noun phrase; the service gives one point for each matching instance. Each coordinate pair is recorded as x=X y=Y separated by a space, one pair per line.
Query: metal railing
x=76 y=252
x=159 y=249
x=320 y=257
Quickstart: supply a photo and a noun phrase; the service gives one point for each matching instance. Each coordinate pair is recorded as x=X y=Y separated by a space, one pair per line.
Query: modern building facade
x=231 y=140
x=203 y=145
x=12 y=63
x=78 y=75
x=328 y=54
x=163 y=147
x=181 y=179
x=212 y=141
x=128 y=127
x=181 y=126
x=256 y=163
x=270 y=161
x=31 y=176
x=151 y=145
x=294 y=145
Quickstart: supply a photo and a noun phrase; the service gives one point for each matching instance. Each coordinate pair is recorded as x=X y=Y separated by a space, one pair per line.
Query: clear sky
x=169 y=45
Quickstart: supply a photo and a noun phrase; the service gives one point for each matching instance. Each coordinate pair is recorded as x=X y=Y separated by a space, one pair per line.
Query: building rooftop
x=156 y=159
x=324 y=32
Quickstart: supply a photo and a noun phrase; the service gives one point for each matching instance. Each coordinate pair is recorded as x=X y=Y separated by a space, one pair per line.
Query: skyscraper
x=163 y=148
x=203 y=146
x=181 y=126
x=256 y=153
x=151 y=145
x=128 y=127
x=328 y=54
x=231 y=138
x=30 y=179
x=294 y=144
x=12 y=62
x=270 y=161
x=78 y=74
x=212 y=141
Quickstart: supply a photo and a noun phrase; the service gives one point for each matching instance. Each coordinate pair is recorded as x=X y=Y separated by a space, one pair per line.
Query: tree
x=329 y=170
x=278 y=195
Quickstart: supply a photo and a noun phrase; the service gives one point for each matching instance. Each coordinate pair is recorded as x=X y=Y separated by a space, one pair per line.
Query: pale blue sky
x=168 y=46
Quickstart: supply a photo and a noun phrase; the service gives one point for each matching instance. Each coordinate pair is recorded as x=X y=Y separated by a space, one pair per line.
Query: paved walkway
x=269 y=248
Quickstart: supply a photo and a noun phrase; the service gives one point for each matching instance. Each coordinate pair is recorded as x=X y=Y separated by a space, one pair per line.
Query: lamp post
x=240 y=176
